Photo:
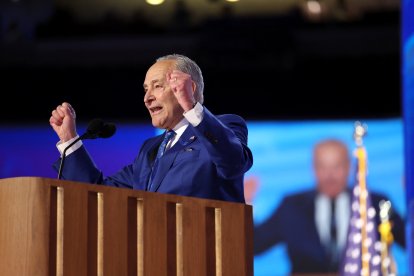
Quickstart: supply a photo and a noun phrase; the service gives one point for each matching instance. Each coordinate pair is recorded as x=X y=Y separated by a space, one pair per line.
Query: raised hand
x=183 y=88
x=63 y=121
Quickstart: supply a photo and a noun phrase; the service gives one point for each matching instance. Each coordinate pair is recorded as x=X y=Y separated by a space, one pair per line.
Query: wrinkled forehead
x=159 y=69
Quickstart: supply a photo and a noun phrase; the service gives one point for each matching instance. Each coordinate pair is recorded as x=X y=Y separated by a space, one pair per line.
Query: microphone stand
x=96 y=129
x=63 y=156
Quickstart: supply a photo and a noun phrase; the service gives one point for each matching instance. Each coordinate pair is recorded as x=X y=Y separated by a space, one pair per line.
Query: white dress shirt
x=193 y=117
x=323 y=217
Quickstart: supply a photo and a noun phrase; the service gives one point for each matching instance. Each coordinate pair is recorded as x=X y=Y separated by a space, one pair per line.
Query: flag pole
x=362 y=253
x=359 y=133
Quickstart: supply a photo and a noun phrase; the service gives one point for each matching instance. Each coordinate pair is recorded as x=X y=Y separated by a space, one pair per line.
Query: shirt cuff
x=195 y=115
x=61 y=146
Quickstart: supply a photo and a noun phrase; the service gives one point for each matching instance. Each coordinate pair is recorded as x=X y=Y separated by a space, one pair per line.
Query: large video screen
x=283 y=166
x=407 y=66
x=282 y=152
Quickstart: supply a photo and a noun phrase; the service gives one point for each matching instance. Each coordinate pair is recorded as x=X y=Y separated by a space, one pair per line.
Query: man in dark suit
x=315 y=233
x=205 y=156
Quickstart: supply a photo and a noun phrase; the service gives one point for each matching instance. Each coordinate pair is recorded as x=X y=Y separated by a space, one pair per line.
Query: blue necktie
x=167 y=137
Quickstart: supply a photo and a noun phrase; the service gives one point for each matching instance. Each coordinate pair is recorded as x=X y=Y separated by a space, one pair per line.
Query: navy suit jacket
x=208 y=161
x=293 y=223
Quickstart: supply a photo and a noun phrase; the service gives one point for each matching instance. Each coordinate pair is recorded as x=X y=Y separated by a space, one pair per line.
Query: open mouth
x=155 y=110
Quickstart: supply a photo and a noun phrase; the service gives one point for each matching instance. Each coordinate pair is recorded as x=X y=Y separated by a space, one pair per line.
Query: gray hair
x=188 y=66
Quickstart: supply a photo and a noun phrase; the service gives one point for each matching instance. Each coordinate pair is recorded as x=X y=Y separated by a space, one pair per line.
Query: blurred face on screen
x=159 y=98
x=331 y=165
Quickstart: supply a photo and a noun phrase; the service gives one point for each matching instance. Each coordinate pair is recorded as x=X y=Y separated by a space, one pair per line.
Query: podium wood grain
x=114 y=231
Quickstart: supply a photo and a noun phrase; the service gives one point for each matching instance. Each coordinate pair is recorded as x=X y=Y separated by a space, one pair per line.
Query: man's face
x=159 y=99
x=331 y=166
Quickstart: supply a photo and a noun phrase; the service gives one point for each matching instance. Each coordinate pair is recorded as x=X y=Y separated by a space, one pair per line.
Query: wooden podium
x=57 y=227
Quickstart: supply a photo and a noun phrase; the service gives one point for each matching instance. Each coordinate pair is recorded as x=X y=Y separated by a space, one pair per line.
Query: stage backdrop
x=282 y=163
x=408 y=106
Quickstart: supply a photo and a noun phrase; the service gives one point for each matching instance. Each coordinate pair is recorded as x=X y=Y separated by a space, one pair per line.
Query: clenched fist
x=63 y=122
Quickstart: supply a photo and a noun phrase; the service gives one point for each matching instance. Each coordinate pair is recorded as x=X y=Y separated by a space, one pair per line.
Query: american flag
x=362 y=255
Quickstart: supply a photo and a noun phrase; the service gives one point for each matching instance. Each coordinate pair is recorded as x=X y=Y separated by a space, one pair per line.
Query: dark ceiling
x=267 y=67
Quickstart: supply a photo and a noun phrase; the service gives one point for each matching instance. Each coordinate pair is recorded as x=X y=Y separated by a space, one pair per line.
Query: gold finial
x=360 y=130
x=388 y=265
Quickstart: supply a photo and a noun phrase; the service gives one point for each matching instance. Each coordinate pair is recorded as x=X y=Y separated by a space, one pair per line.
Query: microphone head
x=108 y=130
x=97 y=128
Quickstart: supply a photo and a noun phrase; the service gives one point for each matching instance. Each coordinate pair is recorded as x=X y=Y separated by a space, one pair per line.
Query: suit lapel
x=151 y=152
x=153 y=148
x=310 y=214
x=166 y=161
x=313 y=231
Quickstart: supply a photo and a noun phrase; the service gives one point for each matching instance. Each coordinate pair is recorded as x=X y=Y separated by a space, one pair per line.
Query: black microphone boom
x=97 y=128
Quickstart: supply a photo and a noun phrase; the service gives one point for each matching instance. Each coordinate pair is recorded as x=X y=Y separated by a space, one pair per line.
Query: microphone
x=97 y=128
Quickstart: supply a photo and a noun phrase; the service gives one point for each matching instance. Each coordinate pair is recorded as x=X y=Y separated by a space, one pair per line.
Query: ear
x=194 y=86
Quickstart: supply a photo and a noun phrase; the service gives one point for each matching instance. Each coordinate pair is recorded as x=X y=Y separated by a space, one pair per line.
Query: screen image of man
x=313 y=224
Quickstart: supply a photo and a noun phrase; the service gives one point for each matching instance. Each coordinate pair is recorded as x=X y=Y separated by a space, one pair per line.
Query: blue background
x=408 y=111
x=282 y=163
